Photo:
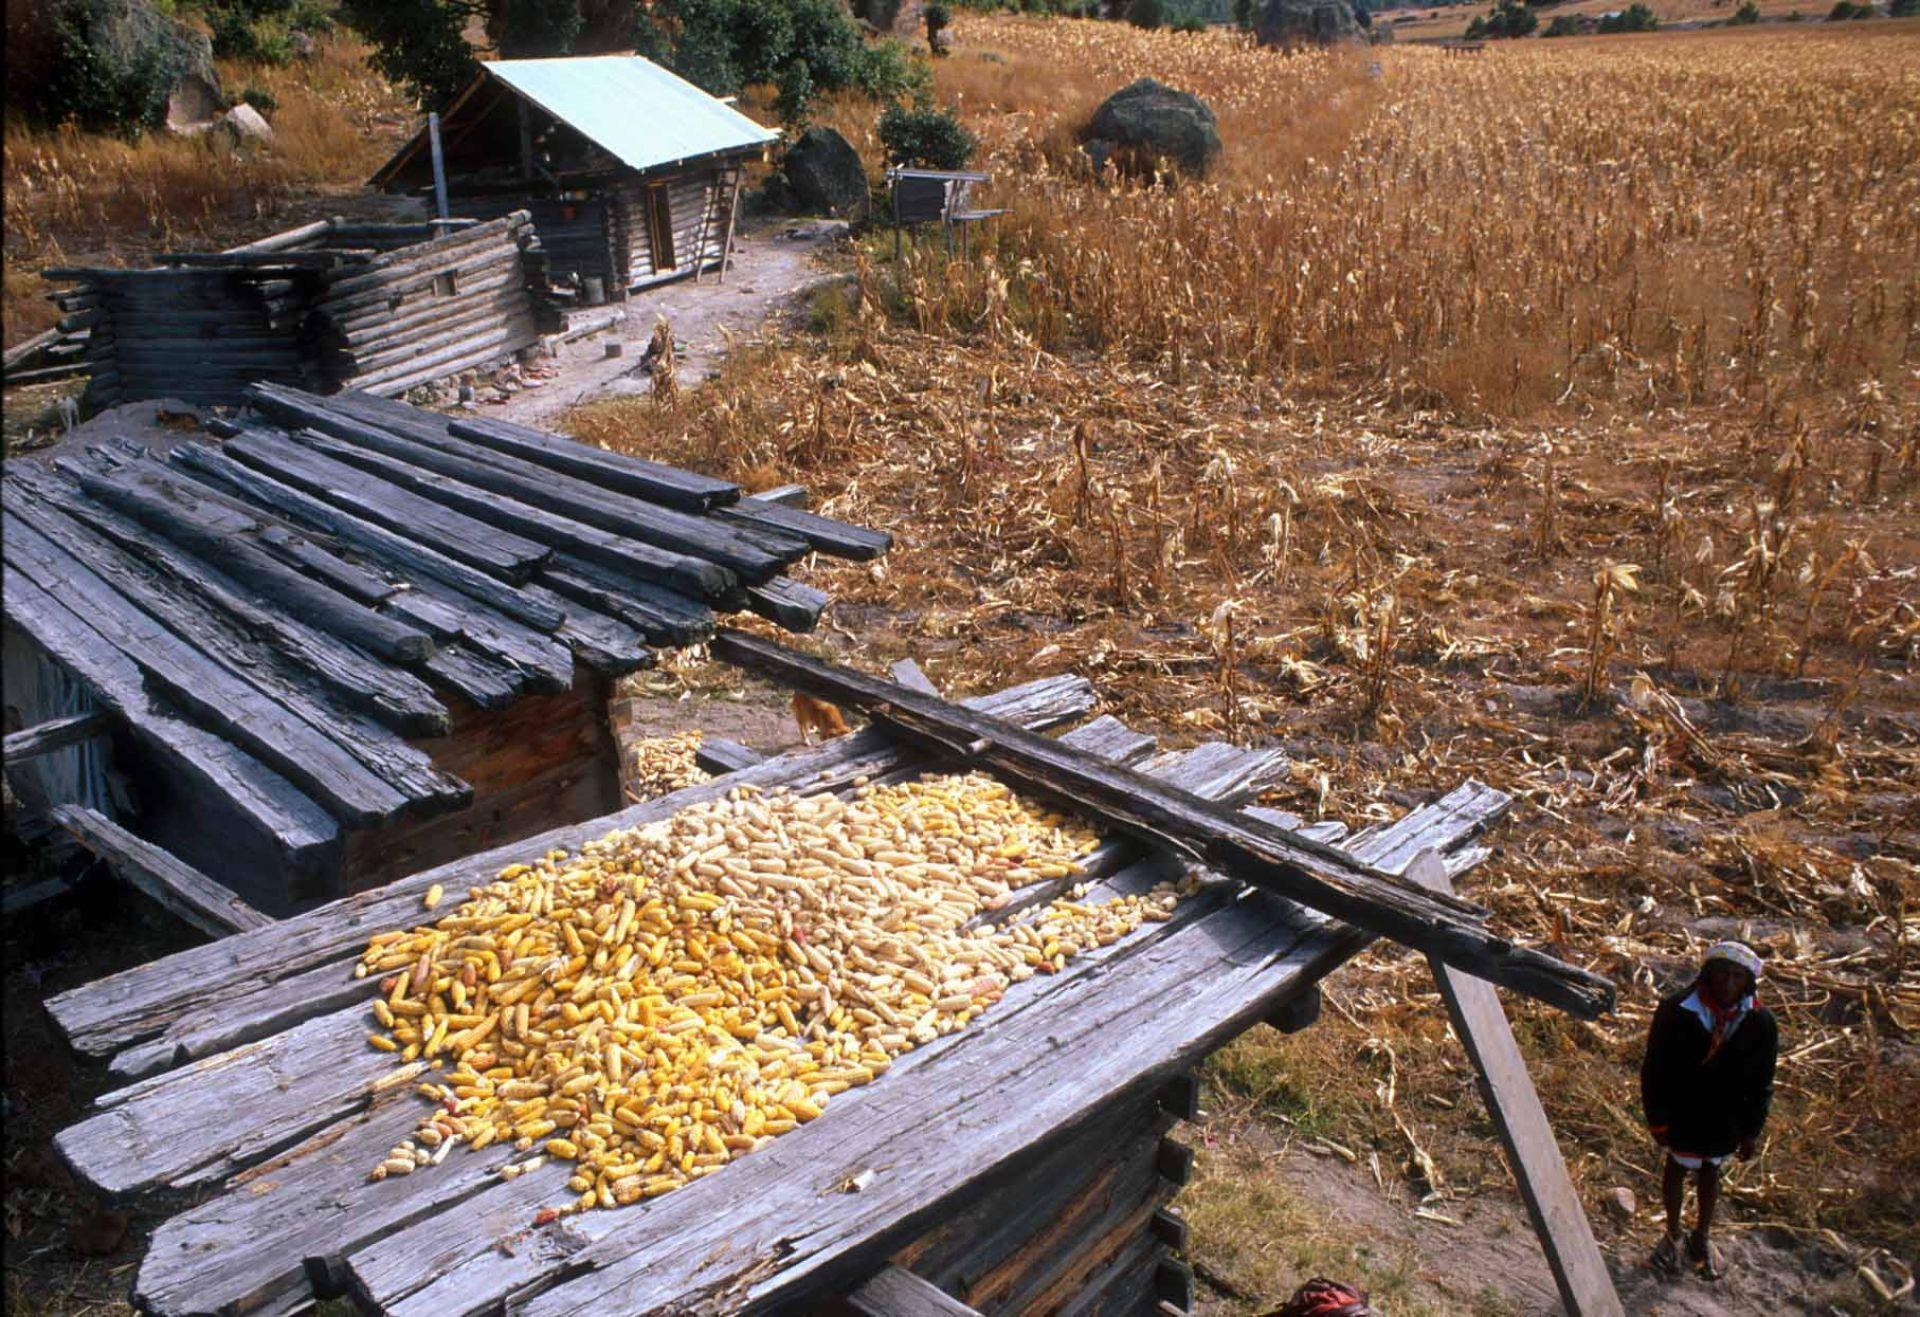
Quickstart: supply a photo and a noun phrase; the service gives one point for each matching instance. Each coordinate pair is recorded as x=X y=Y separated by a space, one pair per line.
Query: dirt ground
x=771 y=272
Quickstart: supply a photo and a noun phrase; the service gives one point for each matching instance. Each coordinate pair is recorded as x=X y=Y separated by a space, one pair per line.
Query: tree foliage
x=1509 y=18
x=926 y=137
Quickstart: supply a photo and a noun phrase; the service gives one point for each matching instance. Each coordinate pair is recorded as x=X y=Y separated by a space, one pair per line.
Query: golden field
x=1549 y=418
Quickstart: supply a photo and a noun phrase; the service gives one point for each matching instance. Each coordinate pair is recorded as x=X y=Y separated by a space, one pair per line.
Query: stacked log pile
x=283 y=619
x=327 y=306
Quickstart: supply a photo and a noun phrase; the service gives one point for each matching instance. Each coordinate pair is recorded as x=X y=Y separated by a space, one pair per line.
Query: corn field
x=1725 y=218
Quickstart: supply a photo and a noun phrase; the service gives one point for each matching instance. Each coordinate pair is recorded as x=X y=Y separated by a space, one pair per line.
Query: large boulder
x=826 y=176
x=1289 y=23
x=125 y=64
x=244 y=126
x=1142 y=125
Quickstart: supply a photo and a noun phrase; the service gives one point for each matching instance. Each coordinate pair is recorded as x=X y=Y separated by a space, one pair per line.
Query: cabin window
x=447 y=284
x=660 y=228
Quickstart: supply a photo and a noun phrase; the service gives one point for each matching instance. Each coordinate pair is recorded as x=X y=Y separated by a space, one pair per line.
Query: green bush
x=1507 y=19
x=260 y=99
x=1244 y=12
x=240 y=35
x=725 y=45
x=1904 y=8
x=1189 y=23
x=926 y=137
x=1563 y=25
x=82 y=87
x=1746 y=14
x=1148 y=14
x=1635 y=17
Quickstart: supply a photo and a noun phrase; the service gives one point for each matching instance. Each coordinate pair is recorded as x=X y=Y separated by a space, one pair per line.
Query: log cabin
x=632 y=174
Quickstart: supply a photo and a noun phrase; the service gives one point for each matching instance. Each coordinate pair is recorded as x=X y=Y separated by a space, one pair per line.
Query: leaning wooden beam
x=631 y=475
x=182 y=889
x=899 y=1293
x=54 y=734
x=1579 y=1270
x=1310 y=872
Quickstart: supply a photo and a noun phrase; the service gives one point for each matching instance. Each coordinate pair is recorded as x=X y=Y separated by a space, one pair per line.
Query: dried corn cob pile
x=673 y=996
x=657 y=765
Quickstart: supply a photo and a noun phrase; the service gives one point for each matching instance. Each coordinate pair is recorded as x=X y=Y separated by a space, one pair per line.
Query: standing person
x=1706 y=1084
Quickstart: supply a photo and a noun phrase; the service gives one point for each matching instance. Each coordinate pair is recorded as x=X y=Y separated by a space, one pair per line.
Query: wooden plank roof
x=309 y=594
x=297 y=1210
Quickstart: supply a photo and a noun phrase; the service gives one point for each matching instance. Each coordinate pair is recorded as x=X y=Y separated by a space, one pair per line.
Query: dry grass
x=72 y=195
x=1345 y=543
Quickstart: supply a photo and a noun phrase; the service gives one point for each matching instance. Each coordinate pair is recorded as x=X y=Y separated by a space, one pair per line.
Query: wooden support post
x=1181 y=1097
x=1170 y=1228
x=1173 y=1284
x=1174 y=1161
x=733 y=220
x=897 y=1292
x=439 y=167
x=1298 y=1012
x=1558 y=1219
x=55 y=734
x=526 y=138
x=182 y=889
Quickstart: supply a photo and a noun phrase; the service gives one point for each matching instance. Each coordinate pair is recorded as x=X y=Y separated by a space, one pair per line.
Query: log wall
x=376 y=307
x=546 y=761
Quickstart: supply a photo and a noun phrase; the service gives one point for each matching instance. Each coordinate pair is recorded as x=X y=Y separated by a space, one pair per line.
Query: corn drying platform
x=897 y=1023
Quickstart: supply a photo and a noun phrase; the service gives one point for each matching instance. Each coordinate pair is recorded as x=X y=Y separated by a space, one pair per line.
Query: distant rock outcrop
x=145 y=67
x=1147 y=123
x=1307 y=23
x=826 y=176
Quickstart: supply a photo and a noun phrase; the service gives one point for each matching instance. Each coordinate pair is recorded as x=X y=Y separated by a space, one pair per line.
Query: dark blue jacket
x=1707 y=1106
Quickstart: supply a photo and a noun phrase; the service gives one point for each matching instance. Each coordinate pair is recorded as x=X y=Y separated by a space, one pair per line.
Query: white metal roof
x=630 y=106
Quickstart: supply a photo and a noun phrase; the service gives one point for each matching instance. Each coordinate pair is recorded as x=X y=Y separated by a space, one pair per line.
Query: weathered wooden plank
x=393 y=549
x=162 y=576
x=201 y=761
x=630 y=475
x=457 y=535
x=544 y=661
x=142 y=492
x=242 y=973
x=719 y=755
x=216 y=695
x=1553 y=1204
x=178 y=886
x=350 y=579
x=229 y=650
x=792 y=496
x=680 y=561
x=528 y=494
x=838 y=538
x=1111 y=739
x=795 y=606
x=478 y=678
x=603 y=643
x=1303 y=870
x=665 y=616
x=896 y=1292
x=54 y=734
x=909 y=673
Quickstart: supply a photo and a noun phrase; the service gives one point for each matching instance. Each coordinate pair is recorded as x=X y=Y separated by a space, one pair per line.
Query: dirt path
x=1474 y=1253
x=771 y=272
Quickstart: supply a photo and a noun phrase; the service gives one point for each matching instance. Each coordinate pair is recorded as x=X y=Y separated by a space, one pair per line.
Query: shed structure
x=327 y=306
x=357 y=638
x=631 y=174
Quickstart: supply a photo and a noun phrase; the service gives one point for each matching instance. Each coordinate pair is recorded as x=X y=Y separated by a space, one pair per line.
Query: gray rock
x=1621 y=1204
x=1289 y=23
x=130 y=42
x=1148 y=122
x=826 y=176
x=244 y=124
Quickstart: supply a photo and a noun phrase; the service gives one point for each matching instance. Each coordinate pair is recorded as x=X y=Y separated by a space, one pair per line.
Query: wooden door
x=660 y=229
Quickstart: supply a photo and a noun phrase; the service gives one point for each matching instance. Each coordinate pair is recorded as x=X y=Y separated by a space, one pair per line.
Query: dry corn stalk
x=673 y=996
